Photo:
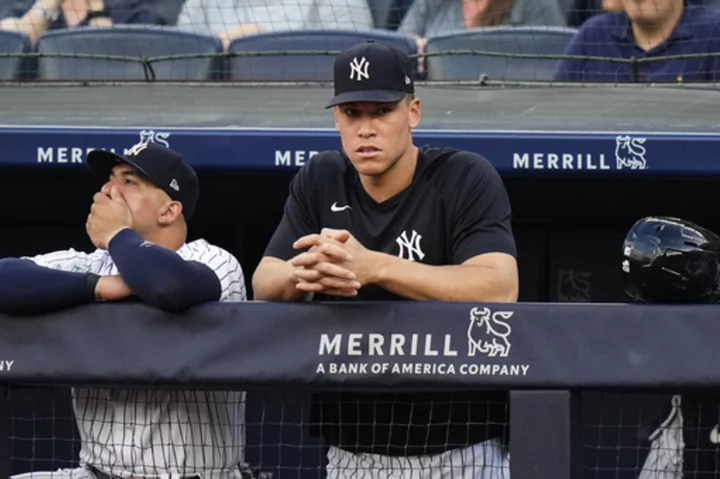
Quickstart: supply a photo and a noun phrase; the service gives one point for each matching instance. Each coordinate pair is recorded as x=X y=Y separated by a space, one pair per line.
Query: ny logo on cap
x=137 y=149
x=359 y=69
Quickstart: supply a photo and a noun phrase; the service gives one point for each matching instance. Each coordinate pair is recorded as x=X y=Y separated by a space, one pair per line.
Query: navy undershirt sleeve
x=27 y=288
x=160 y=276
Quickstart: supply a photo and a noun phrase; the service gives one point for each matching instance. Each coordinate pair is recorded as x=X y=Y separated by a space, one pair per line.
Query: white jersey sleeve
x=226 y=267
x=64 y=260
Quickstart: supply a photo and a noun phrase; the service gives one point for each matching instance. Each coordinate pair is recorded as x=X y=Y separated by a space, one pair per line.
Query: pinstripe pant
x=84 y=473
x=76 y=473
x=487 y=460
x=664 y=461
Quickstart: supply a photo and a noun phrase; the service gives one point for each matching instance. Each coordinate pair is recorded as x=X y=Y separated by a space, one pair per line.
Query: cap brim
x=373 y=96
x=102 y=162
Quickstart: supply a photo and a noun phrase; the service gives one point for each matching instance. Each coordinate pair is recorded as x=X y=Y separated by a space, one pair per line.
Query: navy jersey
x=455 y=208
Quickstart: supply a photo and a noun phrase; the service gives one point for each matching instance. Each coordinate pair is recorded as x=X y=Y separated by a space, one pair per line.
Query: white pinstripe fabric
x=224 y=264
x=487 y=460
x=664 y=460
x=163 y=433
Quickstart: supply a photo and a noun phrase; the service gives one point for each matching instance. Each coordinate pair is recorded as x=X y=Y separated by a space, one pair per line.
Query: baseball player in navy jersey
x=138 y=223
x=382 y=219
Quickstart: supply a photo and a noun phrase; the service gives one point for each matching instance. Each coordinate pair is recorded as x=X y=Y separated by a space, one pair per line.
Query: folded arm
x=161 y=277
x=490 y=277
x=27 y=288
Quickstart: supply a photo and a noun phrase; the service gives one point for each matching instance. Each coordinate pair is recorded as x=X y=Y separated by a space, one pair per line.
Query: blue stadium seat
x=11 y=68
x=300 y=67
x=522 y=40
x=136 y=41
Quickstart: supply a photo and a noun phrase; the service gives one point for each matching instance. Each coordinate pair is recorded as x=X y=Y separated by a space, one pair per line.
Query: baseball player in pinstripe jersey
x=138 y=224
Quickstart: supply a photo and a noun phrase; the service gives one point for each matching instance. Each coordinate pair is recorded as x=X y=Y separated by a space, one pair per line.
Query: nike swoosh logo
x=336 y=209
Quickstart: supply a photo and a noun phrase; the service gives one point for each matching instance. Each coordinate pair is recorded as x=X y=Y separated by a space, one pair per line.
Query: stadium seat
x=11 y=68
x=134 y=41
x=518 y=40
x=301 y=67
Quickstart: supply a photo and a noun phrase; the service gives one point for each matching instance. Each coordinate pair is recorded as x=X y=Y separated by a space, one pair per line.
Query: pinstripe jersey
x=164 y=433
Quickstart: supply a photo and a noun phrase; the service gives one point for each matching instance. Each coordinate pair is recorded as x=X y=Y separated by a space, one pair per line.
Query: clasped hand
x=335 y=264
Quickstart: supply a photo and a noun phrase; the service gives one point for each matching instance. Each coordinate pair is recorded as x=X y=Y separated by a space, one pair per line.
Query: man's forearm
x=273 y=282
x=161 y=277
x=26 y=288
x=443 y=283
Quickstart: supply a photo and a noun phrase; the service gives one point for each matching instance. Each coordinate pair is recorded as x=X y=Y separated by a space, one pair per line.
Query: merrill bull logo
x=488 y=335
x=630 y=152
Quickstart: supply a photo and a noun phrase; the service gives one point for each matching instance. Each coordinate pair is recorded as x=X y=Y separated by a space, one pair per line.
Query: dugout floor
x=539 y=108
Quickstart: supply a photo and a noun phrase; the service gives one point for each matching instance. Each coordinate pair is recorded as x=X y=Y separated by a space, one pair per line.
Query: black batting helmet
x=671 y=260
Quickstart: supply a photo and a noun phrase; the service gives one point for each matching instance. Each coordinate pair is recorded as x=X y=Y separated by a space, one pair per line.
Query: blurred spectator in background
x=229 y=19
x=428 y=18
x=646 y=29
x=36 y=17
x=582 y=10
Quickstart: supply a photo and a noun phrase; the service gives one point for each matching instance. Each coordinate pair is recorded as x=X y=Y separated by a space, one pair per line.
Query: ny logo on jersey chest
x=410 y=246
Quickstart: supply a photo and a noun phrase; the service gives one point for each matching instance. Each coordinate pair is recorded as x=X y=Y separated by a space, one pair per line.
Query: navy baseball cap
x=371 y=71
x=165 y=168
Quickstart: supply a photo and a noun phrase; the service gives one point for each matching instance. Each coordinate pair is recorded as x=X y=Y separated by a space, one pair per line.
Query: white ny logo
x=137 y=149
x=359 y=69
x=410 y=247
